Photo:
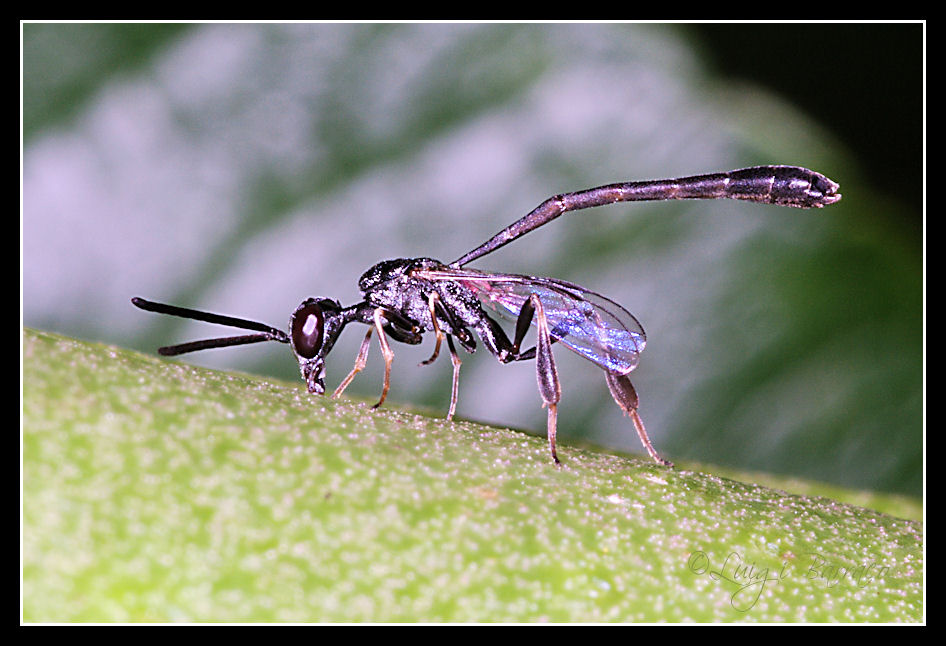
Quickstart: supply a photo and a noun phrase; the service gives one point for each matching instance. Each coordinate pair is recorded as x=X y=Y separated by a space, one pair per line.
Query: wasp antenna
x=209 y=317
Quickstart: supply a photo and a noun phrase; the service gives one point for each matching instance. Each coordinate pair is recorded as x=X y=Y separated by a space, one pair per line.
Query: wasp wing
x=585 y=322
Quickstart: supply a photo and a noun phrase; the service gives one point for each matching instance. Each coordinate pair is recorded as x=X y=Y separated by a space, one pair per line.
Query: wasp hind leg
x=626 y=397
x=546 y=373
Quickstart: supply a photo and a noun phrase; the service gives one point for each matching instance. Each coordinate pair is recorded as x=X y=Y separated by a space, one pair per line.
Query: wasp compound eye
x=307 y=329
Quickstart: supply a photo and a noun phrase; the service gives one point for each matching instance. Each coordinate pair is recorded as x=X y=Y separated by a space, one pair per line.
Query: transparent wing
x=587 y=323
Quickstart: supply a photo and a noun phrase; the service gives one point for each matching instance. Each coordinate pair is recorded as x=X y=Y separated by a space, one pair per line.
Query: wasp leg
x=386 y=351
x=455 y=360
x=360 y=362
x=435 y=306
x=361 y=359
x=626 y=397
x=545 y=371
x=432 y=301
x=526 y=315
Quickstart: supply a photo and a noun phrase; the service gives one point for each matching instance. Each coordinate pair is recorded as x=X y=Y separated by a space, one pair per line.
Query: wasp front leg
x=385 y=322
x=360 y=362
x=386 y=352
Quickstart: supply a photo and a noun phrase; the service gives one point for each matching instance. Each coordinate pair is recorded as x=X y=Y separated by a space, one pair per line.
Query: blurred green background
x=242 y=168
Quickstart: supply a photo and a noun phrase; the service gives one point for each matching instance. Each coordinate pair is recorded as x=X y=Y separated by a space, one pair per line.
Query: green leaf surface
x=156 y=491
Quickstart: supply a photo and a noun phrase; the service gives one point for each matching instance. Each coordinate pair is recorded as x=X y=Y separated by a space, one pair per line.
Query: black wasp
x=405 y=297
